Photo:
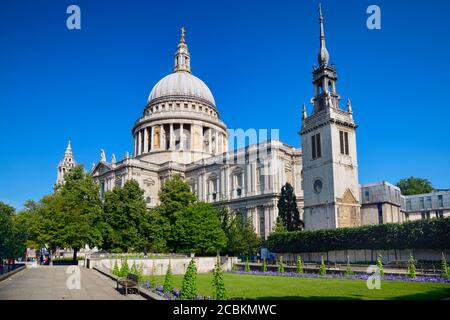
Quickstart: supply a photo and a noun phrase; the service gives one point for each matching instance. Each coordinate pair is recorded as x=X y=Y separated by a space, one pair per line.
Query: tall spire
x=324 y=56
x=68 y=152
x=304 y=114
x=182 y=57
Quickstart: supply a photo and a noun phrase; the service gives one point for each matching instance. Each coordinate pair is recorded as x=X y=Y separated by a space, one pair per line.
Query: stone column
x=248 y=190
x=199 y=187
x=171 y=138
x=162 y=142
x=267 y=219
x=254 y=177
x=139 y=142
x=181 y=137
x=216 y=141
x=146 y=140
x=210 y=140
x=228 y=184
x=205 y=195
x=151 y=139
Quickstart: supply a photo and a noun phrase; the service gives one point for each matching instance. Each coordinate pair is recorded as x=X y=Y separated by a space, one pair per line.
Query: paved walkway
x=49 y=283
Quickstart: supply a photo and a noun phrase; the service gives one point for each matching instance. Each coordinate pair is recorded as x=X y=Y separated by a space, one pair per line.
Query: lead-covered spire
x=68 y=152
x=324 y=56
x=182 y=57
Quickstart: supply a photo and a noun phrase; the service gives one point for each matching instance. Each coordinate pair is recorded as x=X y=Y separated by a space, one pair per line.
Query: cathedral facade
x=180 y=132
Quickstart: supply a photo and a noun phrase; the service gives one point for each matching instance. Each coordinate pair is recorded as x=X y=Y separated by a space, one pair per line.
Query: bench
x=131 y=281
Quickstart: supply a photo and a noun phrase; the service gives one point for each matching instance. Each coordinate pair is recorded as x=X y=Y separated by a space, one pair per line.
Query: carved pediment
x=348 y=197
x=101 y=168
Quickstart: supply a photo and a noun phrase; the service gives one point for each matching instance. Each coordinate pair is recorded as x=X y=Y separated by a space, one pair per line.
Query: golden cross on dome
x=183 y=31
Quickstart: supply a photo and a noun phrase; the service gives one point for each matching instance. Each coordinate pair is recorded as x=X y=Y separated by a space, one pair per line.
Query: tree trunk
x=75 y=251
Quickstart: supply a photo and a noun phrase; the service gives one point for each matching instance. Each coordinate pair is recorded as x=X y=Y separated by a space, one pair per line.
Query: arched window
x=330 y=86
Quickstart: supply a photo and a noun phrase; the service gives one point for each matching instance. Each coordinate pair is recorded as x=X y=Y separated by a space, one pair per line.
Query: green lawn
x=268 y=287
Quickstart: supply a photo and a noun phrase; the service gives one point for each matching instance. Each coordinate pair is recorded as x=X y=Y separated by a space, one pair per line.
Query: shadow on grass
x=298 y=298
x=436 y=294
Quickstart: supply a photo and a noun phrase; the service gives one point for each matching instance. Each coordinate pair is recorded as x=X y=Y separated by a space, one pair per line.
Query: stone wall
x=159 y=266
x=363 y=256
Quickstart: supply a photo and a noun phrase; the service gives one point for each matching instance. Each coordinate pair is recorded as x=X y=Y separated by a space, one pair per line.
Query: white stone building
x=180 y=132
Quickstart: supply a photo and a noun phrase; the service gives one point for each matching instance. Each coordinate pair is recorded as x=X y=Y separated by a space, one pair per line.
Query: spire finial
x=102 y=155
x=349 y=106
x=182 y=57
x=68 y=152
x=304 y=114
x=183 y=31
x=324 y=56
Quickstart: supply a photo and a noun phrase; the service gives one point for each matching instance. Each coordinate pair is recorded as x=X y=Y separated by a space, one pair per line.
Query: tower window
x=343 y=137
x=316 y=147
x=440 y=201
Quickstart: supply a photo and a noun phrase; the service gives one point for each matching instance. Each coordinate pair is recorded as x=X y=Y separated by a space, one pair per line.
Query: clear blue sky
x=91 y=85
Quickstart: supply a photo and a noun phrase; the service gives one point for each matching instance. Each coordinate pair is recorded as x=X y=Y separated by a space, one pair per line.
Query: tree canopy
x=125 y=218
x=412 y=186
x=288 y=210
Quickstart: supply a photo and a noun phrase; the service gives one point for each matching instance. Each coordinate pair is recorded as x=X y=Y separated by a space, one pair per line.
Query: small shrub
x=281 y=265
x=444 y=267
x=218 y=283
x=134 y=269
x=189 y=285
x=247 y=266
x=300 y=265
x=168 y=281
x=349 y=270
x=124 y=269
x=380 y=265
x=411 y=268
x=322 y=269
x=116 y=270
x=264 y=265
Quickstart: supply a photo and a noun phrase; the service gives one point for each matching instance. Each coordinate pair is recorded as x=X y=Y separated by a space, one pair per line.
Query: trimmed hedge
x=421 y=234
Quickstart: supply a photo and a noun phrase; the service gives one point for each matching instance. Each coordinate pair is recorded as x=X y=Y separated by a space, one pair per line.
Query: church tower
x=330 y=167
x=65 y=164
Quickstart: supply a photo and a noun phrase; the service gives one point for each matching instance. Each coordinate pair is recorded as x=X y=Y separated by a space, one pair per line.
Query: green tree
x=322 y=268
x=281 y=265
x=189 y=284
x=264 y=265
x=73 y=213
x=218 y=283
x=279 y=226
x=411 y=267
x=243 y=239
x=125 y=219
x=168 y=279
x=157 y=231
x=380 y=265
x=115 y=270
x=198 y=230
x=444 y=267
x=6 y=214
x=300 y=269
x=247 y=266
x=175 y=195
x=348 y=270
x=412 y=186
x=124 y=268
x=288 y=210
x=13 y=235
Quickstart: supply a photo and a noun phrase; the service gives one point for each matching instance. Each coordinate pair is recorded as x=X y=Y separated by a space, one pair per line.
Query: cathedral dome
x=181 y=84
